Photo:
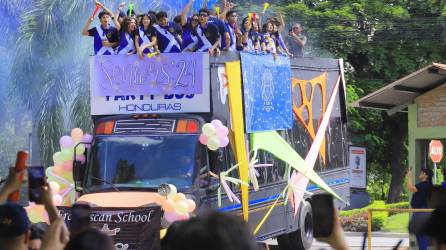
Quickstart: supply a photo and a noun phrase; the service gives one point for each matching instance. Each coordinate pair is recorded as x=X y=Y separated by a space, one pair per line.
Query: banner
x=267 y=92
x=357 y=163
x=171 y=73
x=130 y=228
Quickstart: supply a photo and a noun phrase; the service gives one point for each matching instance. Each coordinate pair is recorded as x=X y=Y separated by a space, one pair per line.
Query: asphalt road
x=379 y=241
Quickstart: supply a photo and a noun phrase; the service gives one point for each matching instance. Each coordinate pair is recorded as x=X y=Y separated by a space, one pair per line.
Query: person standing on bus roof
x=225 y=39
x=421 y=193
x=145 y=38
x=126 y=35
x=189 y=37
x=231 y=23
x=208 y=34
x=166 y=35
x=105 y=36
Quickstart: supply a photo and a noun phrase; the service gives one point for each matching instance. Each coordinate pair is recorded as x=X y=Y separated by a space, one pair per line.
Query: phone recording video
x=36 y=179
x=323 y=214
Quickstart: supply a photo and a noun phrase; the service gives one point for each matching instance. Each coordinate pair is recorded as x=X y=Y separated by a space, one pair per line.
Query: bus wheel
x=302 y=238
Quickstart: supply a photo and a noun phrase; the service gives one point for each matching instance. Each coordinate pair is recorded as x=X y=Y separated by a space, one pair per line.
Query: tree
x=381 y=42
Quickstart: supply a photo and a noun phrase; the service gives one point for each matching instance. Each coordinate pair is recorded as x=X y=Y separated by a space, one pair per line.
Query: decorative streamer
x=98 y=7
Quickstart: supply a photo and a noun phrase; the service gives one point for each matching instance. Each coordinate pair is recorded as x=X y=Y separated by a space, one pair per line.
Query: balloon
x=80 y=149
x=67 y=166
x=49 y=171
x=68 y=176
x=224 y=142
x=203 y=139
x=57 y=199
x=222 y=132
x=184 y=216
x=57 y=158
x=179 y=197
x=54 y=186
x=58 y=170
x=208 y=129
x=87 y=139
x=168 y=206
x=181 y=207
x=77 y=134
x=67 y=154
x=66 y=141
x=217 y=123
x=191 y=205
x=213 y=143
x=80 y=158
x=171 y=216
x=173 y=191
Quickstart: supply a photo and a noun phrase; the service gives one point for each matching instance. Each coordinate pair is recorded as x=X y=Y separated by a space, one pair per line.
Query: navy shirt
x=190 y=38
x=145 y=37
x=111 y=33
x=210 y=32
x=222 y=29
x=166 y=36
x=419 y=198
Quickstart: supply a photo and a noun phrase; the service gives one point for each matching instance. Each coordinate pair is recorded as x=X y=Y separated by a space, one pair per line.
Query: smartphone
x=80 y=217
x=323 y=214
x=36 y=180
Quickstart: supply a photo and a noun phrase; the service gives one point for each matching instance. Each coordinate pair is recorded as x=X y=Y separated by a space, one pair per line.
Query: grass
x=397 y=223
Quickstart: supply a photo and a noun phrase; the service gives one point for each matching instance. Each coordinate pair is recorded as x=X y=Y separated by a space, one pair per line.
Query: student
x=280 y=43
x=225 y=39
x=126 y=36
x=145 y=38
x=189 y=37
x=165 y=33
x=256 y=37
x=268 y=38
x=105 y=36
x=250 y=40
x=231 y=24
x=208 y=34
x=421 y=193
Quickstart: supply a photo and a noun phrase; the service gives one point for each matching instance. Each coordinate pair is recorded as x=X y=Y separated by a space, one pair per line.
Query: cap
x=431 y=225
x=122 y=14
x=13 y=220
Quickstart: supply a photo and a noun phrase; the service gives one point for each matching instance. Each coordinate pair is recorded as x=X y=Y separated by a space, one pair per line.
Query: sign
x=267 y=92
x=147 y=103
x=170 y=73
x=435 y=151
x=130 y=228
x=357 y=161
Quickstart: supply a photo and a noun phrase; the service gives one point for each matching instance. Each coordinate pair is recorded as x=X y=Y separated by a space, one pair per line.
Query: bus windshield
x=143 y=161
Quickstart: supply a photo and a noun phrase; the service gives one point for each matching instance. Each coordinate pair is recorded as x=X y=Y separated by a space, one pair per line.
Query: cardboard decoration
x=236 y=106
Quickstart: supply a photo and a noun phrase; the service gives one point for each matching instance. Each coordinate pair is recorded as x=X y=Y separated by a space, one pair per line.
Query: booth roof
x=396 y=96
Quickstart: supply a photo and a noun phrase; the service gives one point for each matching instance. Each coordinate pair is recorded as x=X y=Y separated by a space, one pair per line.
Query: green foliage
x=397 y=223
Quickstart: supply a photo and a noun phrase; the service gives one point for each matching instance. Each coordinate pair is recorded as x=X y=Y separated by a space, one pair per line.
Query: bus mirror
x=78 y=175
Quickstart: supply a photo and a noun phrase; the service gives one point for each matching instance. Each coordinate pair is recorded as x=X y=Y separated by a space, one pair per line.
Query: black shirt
x=419 y=198
x=211 y=32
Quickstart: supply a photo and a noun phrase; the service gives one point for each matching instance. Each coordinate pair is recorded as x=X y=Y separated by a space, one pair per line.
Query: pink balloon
x=191 y=205
x=57 y=199
x=222 y=132
x=67 y=166
x=171 y=216
x=80 y=158
x=224 y=142
x=87 y=139
x=66 y=141
x=184 y=216
x=203 y=139
x=217 y=123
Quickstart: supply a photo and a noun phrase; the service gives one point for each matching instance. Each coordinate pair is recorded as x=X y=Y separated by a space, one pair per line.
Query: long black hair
x=151 y=19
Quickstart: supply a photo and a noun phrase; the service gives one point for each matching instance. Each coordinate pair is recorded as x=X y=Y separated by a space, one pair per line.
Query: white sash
x=172 y=40
x=103 y=37
x=233 y=38
x=145 y=39
x=192 y=45
x=130 y=45
x=206 y=44
x=270 y=44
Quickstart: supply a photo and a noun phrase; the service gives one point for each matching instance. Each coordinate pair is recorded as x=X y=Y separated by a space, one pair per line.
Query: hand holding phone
x=322 y=207
x=36 y=180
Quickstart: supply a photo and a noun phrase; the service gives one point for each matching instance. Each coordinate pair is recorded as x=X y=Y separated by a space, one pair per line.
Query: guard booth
x=422 y=95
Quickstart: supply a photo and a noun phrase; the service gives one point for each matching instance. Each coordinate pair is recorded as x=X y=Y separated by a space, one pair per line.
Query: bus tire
x=302 y=238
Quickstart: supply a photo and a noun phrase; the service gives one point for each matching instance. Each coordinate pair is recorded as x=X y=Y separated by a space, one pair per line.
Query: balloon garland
x=214 y=135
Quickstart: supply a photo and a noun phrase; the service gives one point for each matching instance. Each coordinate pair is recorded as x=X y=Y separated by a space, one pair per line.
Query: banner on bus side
x=130 y=228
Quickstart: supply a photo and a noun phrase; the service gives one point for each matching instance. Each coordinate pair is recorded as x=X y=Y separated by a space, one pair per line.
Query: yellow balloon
x=181 y=207
x=55 y=188
x=58 y=158
x=67 y=154
x=208 y=129
x=213 y=143
x=80 y=149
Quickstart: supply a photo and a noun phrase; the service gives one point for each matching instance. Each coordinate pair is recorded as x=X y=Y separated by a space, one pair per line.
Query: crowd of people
x=205 y=31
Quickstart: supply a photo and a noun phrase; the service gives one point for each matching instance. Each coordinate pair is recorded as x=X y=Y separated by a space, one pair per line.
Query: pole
x=369 y=229
x=435 y=173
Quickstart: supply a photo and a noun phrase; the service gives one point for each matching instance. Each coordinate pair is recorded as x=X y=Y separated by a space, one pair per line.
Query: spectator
x=90 y=239
x=421 y=193
x=231 y=24
x=38 y=230
x=217 y=231
x=189 y=37
x=14 y=227
x=105 y=36
x=145 y=38
x=126 y=34
x=434 y=228
x=165 y=33
x=208 y=34
x=257 y=36
x=225 y=39
x=295 y=41
x=268 y=38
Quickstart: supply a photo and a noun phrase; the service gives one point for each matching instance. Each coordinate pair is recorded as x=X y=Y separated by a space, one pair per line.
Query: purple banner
x=174 y=73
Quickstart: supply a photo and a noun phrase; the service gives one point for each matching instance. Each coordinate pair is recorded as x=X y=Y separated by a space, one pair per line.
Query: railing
x=397 y=210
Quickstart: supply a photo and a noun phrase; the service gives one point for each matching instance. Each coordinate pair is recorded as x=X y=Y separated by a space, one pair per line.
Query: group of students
x=205 y=31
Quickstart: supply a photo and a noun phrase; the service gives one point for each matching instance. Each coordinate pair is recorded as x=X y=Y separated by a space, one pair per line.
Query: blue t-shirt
x=99 y=33
x=166 y=37
x=222 y=29
x=419 y=198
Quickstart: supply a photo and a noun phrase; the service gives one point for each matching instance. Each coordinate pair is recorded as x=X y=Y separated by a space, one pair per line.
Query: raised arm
x=185 y=11
x=12 y=184
x=282 y=23
x=115 y=20
x=410 y=186
x=87 y=26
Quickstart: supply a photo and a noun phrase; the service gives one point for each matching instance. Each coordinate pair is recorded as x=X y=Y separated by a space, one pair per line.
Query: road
x=379 y=241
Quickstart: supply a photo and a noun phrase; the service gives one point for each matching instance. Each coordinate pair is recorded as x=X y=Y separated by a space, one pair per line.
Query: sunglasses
x=195 y=20
x=203 y=15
